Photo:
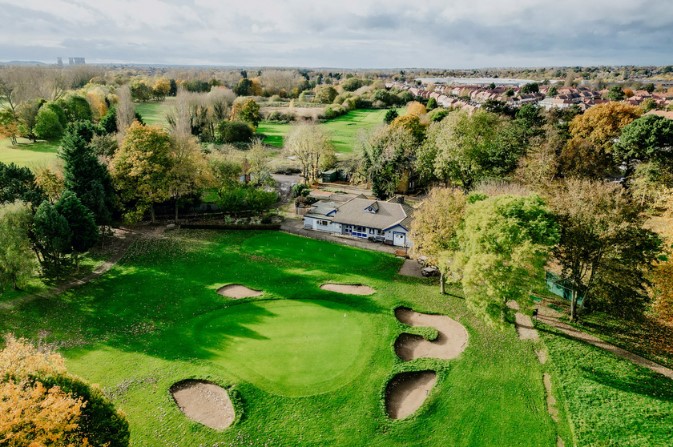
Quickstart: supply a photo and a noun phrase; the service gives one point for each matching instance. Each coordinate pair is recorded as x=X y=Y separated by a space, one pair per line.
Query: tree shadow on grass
x=645 y=383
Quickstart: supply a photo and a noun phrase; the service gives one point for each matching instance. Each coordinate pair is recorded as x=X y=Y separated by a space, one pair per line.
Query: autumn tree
x=503 y=247
x=41 y=404
x=246 y=110
x=435 y=226
x=325 y=94
x=51 y=181
x=417 y=109
x=17 y=260
x=140 y=169
x=257 y=163
x=604 y=252
x=309 y=143
x=589 y=152
x=161 y=88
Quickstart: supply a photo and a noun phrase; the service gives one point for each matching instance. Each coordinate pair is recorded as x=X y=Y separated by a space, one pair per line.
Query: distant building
x=76 y=61
x=59 y=61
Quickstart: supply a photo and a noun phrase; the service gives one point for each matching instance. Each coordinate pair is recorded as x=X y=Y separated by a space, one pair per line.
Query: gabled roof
x=354 y=212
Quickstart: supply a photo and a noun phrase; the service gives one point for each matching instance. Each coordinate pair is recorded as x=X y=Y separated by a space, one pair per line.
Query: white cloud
x=347 y=33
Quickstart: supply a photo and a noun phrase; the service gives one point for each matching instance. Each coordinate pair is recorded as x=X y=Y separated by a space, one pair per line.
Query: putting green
x=287 y=347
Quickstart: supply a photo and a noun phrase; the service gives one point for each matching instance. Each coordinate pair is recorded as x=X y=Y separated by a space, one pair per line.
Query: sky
x=343 y=33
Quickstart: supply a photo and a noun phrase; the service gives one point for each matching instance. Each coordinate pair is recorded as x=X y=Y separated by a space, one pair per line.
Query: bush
x=47 y=125
x=233 y=132
x=242 y=199
x=300 y=189
x=280 y=117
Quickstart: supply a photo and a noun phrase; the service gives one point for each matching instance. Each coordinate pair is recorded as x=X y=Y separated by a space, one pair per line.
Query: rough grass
x=155 y=319
x=344 y=129
x=611 y=401
x=26 y=153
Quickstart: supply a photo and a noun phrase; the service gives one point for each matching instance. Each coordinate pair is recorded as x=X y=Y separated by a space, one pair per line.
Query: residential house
x=388 y=222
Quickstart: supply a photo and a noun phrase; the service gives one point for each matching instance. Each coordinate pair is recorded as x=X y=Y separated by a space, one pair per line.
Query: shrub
x=233 y=132
x=47 y=125
x=246 y=199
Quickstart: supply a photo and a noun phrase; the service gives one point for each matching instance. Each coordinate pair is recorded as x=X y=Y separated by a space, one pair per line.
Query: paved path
x=296 y=226
x=551 y=317
x=523 y=323
x=411 y=267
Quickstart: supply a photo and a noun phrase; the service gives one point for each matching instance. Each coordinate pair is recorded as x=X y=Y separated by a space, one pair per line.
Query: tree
x=432 y=103
x=309 y=143
x=503 y=246
x=233 y=132
x=387 y=159
x=52 y=238
x=18 y=183
x=246 y=110
x=588 y=153
x=140 y=91
x=161 y=88
x=83 y=172
x=325 y=94
x=529 y=88
x=17 y=260
x=140 y=167
x=41 y=404
x=258 y=165
x=243 y=87
x=435 y=226
x=9 y=124
x=648 y=138
x=84 y=232
x=464 y=149
x=649 y=88
x=390 y=116
x=415 y=108
x=125 y=110
x=188 y=170
x=76 y=108
x=616 y=93
x=26 y=114
x=351 y=84
x=603 y=251
x=412 y=124
x=47 y=125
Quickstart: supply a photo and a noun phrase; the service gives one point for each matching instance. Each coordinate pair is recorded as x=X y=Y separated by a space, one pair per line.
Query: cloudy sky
x=343 y=33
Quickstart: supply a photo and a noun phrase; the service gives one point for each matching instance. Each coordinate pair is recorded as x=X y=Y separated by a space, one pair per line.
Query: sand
x=237 y=291
x=450 y=343
x=407 y=391
x=350 y=289
x=205 y=403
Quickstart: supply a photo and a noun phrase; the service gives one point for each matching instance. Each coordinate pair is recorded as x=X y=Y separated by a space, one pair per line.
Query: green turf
x=155 y=112
x=344 y=130
x=306 y=366
x=611 y=401
x=26 y=153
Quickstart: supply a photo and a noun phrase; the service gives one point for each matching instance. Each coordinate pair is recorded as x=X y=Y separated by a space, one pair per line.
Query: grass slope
x=154 y=113
x=26 y=153
x=344 y=129
x=156 y=319
x=611 y=402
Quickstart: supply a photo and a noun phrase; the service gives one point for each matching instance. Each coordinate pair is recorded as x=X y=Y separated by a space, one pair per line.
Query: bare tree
x=308 y=143
x=126 y=111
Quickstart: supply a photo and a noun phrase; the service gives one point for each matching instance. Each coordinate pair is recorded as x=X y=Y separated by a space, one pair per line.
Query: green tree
x=83 y=172
x=140 y=167
x=504 y=245
x=603 y=251
x=432 y=103
x=243 y=87
x=352 y=84
x=52 y=238
x=76 y=108
x=532 y=87
x=26 y=114
x=47 y=125
x=246 y=110
x=233 y=132
x=390 y=116
x=17 y=260
x=18 y=183
x=435 y=227
x=141 y=91
x=83 y=228
x=325 y=94
x=649 y=138
x=616 y=93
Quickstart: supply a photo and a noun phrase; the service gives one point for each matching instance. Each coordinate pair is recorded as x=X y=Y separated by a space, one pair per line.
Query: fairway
x=25 y=153
x=154 y=113
x=344 y=130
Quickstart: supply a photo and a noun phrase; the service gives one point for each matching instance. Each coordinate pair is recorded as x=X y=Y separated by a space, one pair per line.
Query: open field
x=26 y=153
x=344 y=129
x=154 y=112
x=306 y=366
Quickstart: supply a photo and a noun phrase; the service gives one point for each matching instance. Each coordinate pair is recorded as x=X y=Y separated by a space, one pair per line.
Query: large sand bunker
x=350 y=289
x=451 y=337
x=205 y=403
x=407 y=391
x=237 y=291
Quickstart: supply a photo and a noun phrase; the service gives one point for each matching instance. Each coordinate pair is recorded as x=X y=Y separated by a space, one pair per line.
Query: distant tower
x=70 y=61
x=59 y=61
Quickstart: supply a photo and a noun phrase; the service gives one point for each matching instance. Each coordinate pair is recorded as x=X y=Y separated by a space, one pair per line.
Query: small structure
x=379 y=221
x=330 y=176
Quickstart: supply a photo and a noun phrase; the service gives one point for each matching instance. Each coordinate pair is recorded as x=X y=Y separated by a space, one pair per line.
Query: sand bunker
x=237 y=291
x=205 y=403
x=450 y=343
x=406 y=392
x=350 y=289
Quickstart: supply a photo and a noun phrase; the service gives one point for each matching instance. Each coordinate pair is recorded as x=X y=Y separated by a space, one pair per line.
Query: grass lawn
x=154 y=112
x=344 y=129
x=29 y=154
x=305 y=366
x=611 y=402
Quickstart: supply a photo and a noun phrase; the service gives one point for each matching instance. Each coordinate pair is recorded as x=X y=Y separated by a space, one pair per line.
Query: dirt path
x=124 y=238
x=551 y=317
x=523 y=323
